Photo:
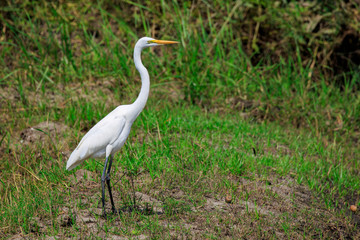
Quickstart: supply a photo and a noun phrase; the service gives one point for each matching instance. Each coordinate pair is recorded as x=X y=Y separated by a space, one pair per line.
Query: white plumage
x=109 y=135
x=111 y=132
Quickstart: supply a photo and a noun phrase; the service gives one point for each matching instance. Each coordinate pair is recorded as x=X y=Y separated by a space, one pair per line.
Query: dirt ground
x=270 y=204
x=271 y=207
x=278 y=204
x=275 y=206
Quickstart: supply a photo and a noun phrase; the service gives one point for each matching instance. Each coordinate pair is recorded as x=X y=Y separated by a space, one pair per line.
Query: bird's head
x=146 y=42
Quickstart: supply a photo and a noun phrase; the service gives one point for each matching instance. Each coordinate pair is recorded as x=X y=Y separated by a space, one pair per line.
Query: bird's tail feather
x=73 y=160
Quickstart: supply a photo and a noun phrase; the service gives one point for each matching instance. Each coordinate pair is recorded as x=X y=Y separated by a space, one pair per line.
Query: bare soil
x=266 y=207
x=271 y=207
x=279 y=205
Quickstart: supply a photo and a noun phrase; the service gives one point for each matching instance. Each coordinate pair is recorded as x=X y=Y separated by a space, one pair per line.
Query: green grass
x=277 y=136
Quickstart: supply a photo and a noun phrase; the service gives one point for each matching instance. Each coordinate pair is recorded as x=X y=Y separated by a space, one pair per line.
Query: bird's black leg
x=108 y=184
x=103 y=178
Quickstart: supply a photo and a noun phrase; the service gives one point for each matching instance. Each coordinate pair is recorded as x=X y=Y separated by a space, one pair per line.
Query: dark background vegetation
x=323 y=34
x=317 y=39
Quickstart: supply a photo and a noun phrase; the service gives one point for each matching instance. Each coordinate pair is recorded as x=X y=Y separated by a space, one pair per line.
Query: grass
x=278 y=137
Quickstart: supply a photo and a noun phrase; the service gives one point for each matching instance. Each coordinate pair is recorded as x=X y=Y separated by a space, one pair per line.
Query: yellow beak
x=162 y=42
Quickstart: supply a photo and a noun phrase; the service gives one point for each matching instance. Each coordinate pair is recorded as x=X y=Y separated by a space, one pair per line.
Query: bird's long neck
x=140 y=102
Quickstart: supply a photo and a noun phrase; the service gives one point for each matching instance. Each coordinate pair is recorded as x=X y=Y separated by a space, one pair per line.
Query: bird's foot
x=113 y=209
x=104 y=215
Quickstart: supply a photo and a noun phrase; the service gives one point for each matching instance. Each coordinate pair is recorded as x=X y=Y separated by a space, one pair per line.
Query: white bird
x=110 y=133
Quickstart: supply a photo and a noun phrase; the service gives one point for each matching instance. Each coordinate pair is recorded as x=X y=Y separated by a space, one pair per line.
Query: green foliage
x=256 y=88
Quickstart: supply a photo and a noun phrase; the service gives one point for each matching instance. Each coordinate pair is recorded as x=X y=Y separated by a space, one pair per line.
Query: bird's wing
x=111 y=117
x=102 y=134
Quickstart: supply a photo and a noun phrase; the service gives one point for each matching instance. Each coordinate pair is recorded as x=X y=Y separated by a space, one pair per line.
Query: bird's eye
x=150 y=41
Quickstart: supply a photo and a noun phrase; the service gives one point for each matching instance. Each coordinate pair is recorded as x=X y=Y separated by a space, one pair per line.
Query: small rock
x=353 y=208
x=178 y=194
x=228 y=199
x=87 y=219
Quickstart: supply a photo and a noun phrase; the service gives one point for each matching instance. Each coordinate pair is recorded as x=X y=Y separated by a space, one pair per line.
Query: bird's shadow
x=143 y=210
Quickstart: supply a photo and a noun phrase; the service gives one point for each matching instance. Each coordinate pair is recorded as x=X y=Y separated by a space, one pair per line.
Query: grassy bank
x=229 y=117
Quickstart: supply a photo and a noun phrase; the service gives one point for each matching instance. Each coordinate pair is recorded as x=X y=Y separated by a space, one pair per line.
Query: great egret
x=110 y=134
